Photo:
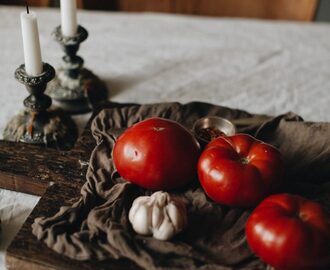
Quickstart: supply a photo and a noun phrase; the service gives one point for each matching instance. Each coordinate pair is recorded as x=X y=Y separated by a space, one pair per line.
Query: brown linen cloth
x=97 y=227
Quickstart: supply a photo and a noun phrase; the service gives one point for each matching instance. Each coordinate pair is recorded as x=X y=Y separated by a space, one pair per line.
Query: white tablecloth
x=260 y=66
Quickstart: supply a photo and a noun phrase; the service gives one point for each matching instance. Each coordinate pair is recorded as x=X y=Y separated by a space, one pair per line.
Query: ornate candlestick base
x=75 y=89
x=38 y=124
x=77 y=95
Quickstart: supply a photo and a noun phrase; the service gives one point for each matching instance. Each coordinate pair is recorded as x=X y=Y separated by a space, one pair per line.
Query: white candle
x=69 y=17
x=31 y=44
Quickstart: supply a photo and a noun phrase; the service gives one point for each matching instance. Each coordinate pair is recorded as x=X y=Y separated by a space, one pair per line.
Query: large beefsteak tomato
x=290 y=232
x=239 y=170
x=157 y=154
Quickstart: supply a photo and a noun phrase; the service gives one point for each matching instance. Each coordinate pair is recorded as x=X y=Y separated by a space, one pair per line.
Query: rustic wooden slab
x=57 y=177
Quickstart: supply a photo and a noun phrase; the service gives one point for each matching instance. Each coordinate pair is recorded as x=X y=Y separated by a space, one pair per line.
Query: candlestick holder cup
x=75 y=89
x=38 y=124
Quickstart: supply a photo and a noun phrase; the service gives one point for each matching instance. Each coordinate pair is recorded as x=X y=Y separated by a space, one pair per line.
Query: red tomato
x=290 y=232
x=239 y=170
x=157 y=154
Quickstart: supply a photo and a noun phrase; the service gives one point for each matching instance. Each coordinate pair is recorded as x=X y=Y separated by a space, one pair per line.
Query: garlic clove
x=165 y=231
x=157 y=217
x=178 y=215
x=140 y=219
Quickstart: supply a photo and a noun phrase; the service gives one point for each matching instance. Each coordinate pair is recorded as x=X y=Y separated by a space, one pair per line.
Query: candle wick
x=27 y=7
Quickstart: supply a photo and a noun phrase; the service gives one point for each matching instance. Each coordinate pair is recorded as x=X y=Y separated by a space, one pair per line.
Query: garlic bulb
x=159 y=215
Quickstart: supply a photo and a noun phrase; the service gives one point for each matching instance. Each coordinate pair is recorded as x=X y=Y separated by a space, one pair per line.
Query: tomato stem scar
x=244 y=160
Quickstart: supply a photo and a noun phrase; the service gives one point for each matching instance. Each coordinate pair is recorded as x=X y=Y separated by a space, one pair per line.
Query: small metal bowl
x=222 y=124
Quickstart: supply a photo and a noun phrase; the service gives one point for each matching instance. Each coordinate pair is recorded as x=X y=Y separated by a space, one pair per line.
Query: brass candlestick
x=75 y=89
x=38 y=124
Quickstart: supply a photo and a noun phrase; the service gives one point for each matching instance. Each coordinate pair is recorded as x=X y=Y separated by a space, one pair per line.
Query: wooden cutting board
x=57 y=177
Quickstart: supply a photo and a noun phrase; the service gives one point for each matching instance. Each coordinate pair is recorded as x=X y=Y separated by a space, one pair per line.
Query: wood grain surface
x=26 y=252
x=300 y=10
x=58 y=177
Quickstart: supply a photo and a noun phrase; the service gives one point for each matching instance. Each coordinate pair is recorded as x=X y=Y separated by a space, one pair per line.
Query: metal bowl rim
x=228 y=122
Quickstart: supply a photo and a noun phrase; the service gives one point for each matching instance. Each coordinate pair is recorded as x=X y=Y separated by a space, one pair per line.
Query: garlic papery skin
x=160 y=215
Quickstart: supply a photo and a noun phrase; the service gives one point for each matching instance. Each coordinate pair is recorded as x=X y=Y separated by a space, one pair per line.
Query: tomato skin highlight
x=290 y=232
x=157 y=154
x=239 y=170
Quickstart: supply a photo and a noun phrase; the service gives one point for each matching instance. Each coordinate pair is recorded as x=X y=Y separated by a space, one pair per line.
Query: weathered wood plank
x=30 y=169
x=58 y=176
x=26 y=252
